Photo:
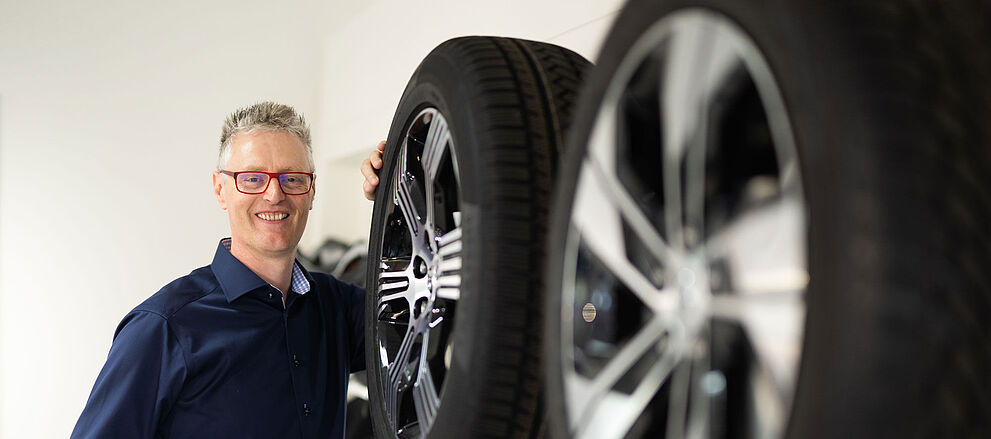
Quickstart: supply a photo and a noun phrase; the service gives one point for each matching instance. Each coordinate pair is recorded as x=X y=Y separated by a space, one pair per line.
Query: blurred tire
x=779 y=225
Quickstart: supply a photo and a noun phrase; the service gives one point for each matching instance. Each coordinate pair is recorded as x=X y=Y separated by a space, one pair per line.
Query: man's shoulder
x=180 y=292
x=322 y=279
x=328 y=284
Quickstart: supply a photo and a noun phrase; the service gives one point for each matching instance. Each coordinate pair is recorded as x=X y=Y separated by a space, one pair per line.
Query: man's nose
x=273 y=193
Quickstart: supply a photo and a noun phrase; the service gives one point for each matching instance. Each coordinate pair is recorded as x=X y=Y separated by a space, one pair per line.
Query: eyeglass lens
x=256 y=182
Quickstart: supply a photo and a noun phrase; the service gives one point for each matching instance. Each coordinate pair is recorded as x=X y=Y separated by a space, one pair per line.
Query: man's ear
x=218 y=186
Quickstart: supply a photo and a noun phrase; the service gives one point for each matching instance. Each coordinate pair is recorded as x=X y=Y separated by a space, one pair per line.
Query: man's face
x=269 y=224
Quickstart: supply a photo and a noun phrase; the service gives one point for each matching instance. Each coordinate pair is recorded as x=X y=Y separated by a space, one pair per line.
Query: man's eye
x=292 y=179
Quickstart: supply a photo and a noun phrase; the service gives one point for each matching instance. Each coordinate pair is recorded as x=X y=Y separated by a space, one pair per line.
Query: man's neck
x=276 y=270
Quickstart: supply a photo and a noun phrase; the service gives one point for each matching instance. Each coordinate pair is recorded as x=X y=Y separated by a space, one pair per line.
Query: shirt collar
x=236 y=279
x=300 y=284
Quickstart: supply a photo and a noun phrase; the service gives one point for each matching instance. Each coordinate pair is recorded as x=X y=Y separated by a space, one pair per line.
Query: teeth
x=272 y=216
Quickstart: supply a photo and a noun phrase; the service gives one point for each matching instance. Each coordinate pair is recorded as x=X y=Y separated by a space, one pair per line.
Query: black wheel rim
x=419 y=276
x=685 y=269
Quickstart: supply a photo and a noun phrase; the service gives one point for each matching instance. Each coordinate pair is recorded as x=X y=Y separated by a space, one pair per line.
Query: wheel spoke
x=404 y=200
x=616 y=413
x=449 y=287
x=713 y=75
x=394 y=276
x=450 y=243
x=699 y=398
x=401 y=363
x=438 y=137
x=694 y=204
x=450 y=265
x=678 y=403
x=395 y=372
x=766 y=397
x=624 y=360
x=661 y=301
x=425 y=397
x=390 y=297
x=700 y=60
x=610 y=414
x=762 y=250
x=598 y=219
x=449 y=279
x=391 y=281
x=631 y=212
x=394 y=285
x=680 y=98
x=773 y=323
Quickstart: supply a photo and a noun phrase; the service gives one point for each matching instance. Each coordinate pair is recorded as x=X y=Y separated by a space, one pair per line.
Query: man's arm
x=138 y=384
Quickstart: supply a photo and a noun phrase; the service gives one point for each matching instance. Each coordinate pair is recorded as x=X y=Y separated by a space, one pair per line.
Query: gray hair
x=267 y=116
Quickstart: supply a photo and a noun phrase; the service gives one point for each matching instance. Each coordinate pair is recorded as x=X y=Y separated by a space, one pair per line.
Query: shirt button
x=295 y=361
x=270 y=294
x=306 y=410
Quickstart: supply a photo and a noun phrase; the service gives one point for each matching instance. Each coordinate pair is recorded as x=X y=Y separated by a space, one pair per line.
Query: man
x=252 y=345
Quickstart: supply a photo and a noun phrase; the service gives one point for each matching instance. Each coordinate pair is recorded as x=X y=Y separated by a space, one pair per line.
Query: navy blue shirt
x=216 y=354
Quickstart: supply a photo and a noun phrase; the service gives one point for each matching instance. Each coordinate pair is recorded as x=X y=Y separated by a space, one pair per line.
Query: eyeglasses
x=256 y=182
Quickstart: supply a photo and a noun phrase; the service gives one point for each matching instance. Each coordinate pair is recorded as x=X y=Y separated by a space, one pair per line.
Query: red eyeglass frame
x=271 y=176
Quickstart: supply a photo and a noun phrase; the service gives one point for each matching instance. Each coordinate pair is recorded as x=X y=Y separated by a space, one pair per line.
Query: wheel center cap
x=693 y=288
x=686 y=278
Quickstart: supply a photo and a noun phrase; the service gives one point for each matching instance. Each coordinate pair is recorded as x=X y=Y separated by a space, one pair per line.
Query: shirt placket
x=295 y=344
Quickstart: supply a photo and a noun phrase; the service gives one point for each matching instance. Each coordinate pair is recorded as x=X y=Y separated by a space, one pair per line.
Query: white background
x=110 y=114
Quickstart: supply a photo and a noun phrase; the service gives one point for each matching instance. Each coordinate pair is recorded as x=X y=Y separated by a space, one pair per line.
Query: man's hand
x=370 y=168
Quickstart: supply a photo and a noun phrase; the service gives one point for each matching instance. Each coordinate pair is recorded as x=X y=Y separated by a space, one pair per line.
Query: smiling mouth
x=272 y=216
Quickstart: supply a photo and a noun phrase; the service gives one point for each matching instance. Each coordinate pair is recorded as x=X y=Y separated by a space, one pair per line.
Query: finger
x=369 y=173
x=369 y=191
x=376 y=155
x=375 y=158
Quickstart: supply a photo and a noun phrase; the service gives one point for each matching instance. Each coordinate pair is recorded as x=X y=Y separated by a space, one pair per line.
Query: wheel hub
x=694 y=296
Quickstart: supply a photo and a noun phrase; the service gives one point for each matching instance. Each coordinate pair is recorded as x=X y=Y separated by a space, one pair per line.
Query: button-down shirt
x=217 y=354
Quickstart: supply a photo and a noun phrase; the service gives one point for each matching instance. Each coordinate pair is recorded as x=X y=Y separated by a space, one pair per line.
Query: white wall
x=97 y=95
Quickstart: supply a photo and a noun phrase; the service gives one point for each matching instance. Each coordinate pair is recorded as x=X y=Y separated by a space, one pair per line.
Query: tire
x=779 y=225
x=453 y=312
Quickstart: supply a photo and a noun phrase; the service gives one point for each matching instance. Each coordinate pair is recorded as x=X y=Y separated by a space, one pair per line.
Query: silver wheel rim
x=419 y=276
x=684 y=277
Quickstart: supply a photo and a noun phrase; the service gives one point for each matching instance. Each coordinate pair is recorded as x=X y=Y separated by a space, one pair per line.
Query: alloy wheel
x=685 y=267
x=419 y=276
